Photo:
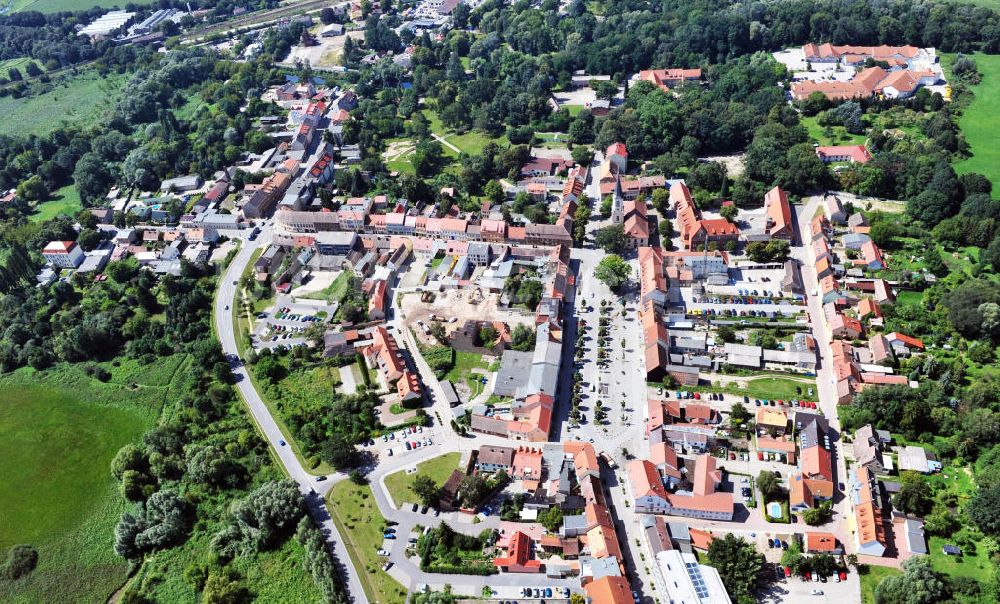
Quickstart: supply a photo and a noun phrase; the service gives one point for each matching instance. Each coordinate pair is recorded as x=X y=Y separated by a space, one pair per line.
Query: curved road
x=308 y=485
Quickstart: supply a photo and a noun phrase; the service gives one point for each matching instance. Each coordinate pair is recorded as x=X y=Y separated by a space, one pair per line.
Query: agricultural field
x=78 y=100
x=55 y=6
x=438 y=469
x=59 y=430
x=359 y=521
x=64 y=201
x=979 y=121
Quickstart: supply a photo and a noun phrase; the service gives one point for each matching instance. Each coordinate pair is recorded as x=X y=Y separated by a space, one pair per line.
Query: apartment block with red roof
x=63 y=254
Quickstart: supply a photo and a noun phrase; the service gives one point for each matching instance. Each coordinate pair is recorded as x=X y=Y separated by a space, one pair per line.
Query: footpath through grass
x=360 y=523
x=400 y=484
x=980 y=123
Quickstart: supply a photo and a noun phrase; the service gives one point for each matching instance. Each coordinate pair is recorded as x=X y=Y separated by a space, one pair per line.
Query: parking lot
x=284 y=323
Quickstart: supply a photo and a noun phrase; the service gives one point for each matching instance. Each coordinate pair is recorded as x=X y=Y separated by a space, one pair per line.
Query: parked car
x=382 y=552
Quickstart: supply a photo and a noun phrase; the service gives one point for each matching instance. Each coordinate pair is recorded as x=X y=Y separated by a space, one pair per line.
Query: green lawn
x=979 y=122
x=333 y=292
x=360 y=523
x=840 y=135
x=574 y=110
x=977 y=568
x=769 y=388
x=59 y=430
x=909 y=298
x=872 y=578
x=471 y=142
x=465 y=362
x=64 y=201
x=438 y=469
x=20 y=63
x=78 y=100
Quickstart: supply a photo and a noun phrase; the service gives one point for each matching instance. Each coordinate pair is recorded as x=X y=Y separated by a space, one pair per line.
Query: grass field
x=79 y=100
x=465 y=362
x=360 y=523
x=769 y=388
x=59 y=430
x=976 y=567
x=333 y=292
x=438 y=469
x=55 y=6
x=471 y=142
x=872 y=578
x=840 y=134
x=20 y=63
x=64 y=201
x=979 y=122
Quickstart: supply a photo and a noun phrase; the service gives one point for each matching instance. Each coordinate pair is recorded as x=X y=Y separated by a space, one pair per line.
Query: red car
x=697 y=396
x=788 y=572
x=843 y=576
x=760 y=456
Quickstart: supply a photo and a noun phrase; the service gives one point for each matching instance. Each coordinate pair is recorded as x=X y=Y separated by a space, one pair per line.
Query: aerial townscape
x=483 y=301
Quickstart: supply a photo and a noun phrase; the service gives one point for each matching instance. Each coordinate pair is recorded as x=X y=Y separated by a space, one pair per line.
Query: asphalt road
x=308 y=485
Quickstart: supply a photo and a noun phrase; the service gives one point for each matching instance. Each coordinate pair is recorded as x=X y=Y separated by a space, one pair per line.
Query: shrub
x=21 y=560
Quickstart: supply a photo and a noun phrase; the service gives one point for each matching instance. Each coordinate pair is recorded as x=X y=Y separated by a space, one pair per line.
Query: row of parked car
x=780 y=403
x=285 y=314
x=543 y=592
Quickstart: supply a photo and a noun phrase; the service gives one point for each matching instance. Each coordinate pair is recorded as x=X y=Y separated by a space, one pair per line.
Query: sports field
x=981 y=123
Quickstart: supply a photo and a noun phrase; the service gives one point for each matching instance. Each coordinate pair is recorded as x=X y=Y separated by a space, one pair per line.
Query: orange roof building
x=854 y=154
x=779 y=215
x=518 y=558
x=822 y=543
x=609 y=590
x=667 y=78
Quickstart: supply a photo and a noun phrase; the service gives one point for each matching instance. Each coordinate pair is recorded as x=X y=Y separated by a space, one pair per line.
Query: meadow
x=55 y=6
x=59 y=430
x=78 y=100
x=979 y=122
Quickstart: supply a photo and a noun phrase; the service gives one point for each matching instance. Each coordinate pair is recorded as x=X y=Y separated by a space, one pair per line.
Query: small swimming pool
x=774 y=509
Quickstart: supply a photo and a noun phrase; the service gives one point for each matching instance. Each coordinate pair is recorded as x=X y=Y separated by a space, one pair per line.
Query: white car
x=382 y=552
